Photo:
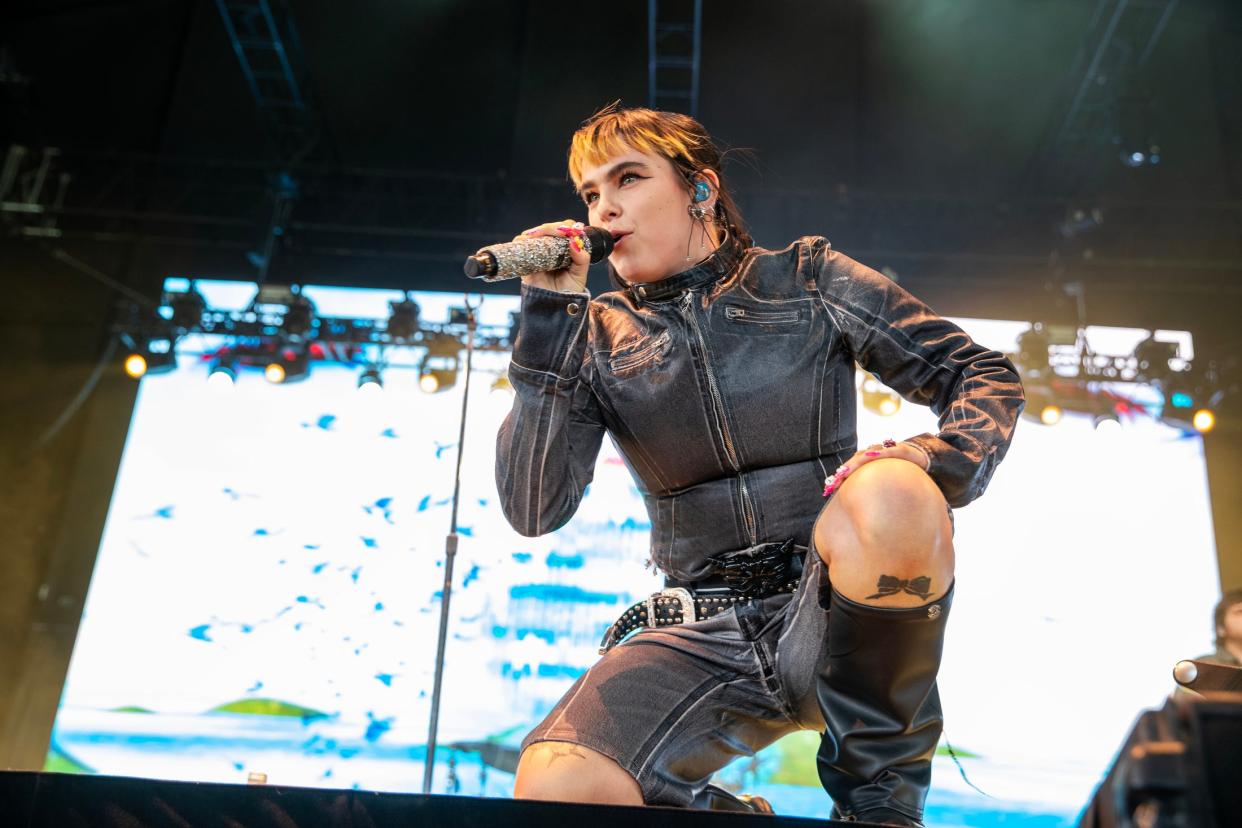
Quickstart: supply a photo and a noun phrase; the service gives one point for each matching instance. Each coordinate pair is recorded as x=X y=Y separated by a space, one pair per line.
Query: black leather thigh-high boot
x=877 y=691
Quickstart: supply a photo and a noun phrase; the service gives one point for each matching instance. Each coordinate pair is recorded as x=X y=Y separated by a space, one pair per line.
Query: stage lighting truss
x=284 y=311
x=281 y=335
x=1062 y=374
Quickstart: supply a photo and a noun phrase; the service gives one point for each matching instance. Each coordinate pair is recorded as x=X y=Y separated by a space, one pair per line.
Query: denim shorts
x=674 y=705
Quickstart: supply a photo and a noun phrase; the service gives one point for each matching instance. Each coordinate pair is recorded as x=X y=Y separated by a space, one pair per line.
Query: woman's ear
x=713 y=180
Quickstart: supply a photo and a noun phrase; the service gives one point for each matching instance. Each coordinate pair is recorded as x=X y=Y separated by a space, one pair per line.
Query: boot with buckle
x=877 y=692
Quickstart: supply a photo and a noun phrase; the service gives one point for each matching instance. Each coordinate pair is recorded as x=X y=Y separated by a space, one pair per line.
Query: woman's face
x=642 y=200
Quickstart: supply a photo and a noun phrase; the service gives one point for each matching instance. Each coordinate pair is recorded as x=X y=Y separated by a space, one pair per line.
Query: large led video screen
x=268 y=588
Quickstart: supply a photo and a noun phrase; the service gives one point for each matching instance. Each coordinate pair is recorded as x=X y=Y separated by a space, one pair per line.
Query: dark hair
x=1227 y=600
x=679 y=138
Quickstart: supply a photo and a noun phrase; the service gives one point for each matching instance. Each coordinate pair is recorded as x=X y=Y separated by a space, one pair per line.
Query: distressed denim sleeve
x=547 y=445
x=974 y=391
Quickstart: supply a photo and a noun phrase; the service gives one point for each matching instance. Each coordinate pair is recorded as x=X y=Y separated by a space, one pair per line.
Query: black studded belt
x=699 y=600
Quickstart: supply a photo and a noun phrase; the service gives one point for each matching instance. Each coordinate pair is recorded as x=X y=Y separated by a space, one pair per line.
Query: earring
x=699 y=215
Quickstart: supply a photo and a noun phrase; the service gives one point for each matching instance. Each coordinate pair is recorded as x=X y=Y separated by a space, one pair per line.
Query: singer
x=724 y=372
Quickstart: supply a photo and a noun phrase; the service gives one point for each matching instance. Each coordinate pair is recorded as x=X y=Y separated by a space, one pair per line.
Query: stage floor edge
x=59 y=800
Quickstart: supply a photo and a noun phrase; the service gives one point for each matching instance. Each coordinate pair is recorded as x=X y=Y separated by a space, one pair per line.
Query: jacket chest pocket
x=627 y=362
x=747 y=319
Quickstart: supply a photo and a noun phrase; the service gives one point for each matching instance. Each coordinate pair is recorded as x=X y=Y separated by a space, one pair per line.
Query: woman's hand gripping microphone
x=572 y=279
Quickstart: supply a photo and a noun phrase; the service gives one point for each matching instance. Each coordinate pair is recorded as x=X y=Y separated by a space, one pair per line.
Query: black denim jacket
x=729 y=391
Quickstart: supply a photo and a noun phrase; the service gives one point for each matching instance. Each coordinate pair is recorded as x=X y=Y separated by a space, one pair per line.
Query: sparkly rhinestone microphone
x=521 y=258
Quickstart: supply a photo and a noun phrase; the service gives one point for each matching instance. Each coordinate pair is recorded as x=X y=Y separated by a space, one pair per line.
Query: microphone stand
x=450 y=553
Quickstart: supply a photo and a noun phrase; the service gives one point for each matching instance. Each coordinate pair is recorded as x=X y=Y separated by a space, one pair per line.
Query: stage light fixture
x=299 y=317
x=1152 y=357
x=403 y=319
x=1033 y=347
x=135 y=365
x=1180 y=399
x=1204 y=420
x=1106 y=424
x=187 y=308
x=155 y=355
x=370 y=380
x=1138 y=157
x=222 y=375
x=1050 y=414
x=437 y=371
x=877 y=398
x=290 y=365
x=284 y=307
x=433 y=380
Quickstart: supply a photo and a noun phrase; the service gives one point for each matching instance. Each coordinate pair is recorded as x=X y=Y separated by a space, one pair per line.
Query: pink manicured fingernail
x=577 y=243
x=872 y=454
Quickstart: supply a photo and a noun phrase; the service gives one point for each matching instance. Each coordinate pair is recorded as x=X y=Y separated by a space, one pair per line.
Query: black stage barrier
x=56 y=800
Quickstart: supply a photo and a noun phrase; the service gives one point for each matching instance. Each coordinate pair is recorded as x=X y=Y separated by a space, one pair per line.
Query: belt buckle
x=758 y=571
x=682 y=595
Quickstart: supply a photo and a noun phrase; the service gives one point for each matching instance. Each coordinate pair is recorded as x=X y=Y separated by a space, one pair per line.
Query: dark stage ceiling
x=958 y=143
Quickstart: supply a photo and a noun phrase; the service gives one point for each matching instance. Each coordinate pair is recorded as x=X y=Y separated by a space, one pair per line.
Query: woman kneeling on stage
x=724 y=373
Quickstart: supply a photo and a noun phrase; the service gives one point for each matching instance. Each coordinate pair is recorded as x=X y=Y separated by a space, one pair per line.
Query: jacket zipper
x=759 y=317
x=687 y=310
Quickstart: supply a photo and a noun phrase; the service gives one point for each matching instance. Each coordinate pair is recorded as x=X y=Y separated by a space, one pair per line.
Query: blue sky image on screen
x=267 y=592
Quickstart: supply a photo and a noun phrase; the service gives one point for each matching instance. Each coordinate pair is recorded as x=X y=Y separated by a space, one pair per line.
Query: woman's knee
x=887 y=518
x=568 y=772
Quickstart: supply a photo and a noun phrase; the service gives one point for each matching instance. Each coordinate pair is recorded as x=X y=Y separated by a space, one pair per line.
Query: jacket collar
x=719 y=264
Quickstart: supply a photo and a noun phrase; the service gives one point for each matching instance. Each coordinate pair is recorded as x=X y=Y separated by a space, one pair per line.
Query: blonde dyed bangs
x=613 y=133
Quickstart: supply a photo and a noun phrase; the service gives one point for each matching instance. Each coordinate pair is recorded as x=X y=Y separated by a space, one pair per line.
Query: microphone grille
x=600 y=243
